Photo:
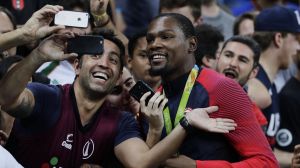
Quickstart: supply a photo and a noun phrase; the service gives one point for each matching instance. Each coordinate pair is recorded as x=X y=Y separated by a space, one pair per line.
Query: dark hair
x=239 y=20
x=195 y=5
x=208 y=38
x=248 y=41
x=264 y=39
x=133 y=41
x=108 y=34
x=71 y=4
x=6 y=63
x=183 y=22
x=11 y=17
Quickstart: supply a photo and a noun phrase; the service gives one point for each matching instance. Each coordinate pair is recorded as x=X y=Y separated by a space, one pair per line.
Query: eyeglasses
x=117 y=90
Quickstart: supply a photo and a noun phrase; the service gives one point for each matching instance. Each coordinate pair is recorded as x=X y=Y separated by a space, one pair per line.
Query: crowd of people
x=226 y=89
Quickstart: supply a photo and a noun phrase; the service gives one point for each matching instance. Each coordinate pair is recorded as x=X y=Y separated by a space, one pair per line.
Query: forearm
x=153 y=137
x=13 y=39
x=165 y=148
x=14 y=83
x=109 y=25
x=135 y=153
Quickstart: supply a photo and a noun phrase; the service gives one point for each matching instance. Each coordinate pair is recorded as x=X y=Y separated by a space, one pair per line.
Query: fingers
x=211 y=109
x=48 y=10
x=143 y=103
x=144 y=97
x=71 y=55
x=53 y=29
x=297 y=149
x=163 y=104
x=157 y=101
x=152 y=99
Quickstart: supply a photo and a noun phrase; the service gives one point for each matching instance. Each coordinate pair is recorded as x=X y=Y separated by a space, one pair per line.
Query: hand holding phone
x=88 y=44
x=72 y=18
x=139 y=89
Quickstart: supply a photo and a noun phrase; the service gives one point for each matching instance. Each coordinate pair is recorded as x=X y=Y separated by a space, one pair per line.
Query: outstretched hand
x=53 y=47
x=199 y=118
x=38 y=27
x=153 y=111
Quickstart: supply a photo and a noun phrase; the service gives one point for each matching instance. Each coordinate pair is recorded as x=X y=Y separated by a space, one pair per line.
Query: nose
x=153 y=45
x=233 y=62
x=103 y=61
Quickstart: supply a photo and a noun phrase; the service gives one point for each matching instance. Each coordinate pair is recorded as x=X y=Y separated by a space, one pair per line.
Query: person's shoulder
x=33 y=86
x=258 y=93
x=212 y=79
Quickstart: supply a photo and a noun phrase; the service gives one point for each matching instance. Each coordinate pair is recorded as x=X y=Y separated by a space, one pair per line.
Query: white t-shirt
x=7 y=160
x=64 y=73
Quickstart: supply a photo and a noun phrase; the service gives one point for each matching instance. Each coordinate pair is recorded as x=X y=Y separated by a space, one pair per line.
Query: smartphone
x=139 y=89
x=72 y=18
x=87 y=44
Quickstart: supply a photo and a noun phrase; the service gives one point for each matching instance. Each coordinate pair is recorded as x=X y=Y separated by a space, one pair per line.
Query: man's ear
x=277 y=40
x=254 y=72
x=192 y=45
x=77 y=66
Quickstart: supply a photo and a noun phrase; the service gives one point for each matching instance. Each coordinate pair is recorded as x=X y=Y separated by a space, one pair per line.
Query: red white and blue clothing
x=244 y=147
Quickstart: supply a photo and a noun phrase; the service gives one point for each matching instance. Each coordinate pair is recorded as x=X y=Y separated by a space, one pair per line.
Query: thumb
x=211 y=109
x=54 y=29
x=49 y=30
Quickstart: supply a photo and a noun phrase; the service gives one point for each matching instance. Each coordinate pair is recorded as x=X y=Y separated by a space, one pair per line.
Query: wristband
x=101 y=18
x=185 y=124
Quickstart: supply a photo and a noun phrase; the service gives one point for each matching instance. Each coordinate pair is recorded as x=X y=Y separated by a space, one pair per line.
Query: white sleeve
x=7 y=160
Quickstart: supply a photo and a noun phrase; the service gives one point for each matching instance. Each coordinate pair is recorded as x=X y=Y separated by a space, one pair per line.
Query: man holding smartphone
x=171 y=45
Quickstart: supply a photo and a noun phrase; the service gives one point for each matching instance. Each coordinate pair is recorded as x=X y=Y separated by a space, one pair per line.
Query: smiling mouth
x=158 y=58
x=100 y=75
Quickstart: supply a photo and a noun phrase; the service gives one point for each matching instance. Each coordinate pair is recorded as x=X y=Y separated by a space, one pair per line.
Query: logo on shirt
x=67 y=143
x=284 y=137
x=88 y=149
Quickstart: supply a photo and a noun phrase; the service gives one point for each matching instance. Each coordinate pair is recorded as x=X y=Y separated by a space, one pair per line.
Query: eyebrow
x=130 y=78
x=115 y=53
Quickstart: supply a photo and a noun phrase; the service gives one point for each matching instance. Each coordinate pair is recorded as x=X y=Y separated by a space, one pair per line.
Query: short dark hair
x=133 y=41
x=108 y=34
x=7 y=62
x=250 y=42
x=239 y=20
x=195 y=5
x=208 y=38
x=11 y=17
x=183 y=22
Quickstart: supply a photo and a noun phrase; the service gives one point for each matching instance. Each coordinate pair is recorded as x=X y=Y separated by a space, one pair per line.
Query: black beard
x=158 y=72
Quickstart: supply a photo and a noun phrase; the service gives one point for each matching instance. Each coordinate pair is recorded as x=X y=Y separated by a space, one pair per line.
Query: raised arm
x=102 y=20
x=14 y=97
x=35 y=28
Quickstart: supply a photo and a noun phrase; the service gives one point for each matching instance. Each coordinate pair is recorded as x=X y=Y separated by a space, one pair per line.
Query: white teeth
x=100 y=75
x=158 y=56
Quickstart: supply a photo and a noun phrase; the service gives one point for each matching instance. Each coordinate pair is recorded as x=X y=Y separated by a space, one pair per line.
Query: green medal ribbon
x=183 y=101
